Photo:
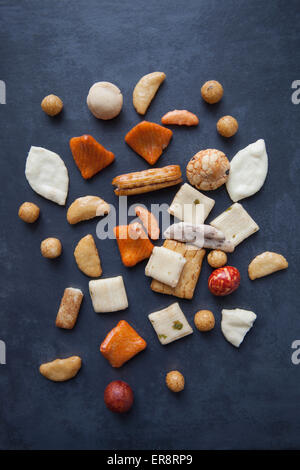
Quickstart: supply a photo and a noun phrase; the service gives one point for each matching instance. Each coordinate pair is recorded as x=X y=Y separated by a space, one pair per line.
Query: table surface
x=234 y=398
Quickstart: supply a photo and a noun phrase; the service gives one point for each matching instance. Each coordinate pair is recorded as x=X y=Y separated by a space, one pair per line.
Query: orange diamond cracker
x=121 y=344
x=132 y=249
x=149 y=140
x=90 y=156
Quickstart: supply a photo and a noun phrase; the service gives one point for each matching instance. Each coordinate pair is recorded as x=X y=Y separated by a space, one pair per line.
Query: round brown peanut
x=227 y=126
x=217 y=258
x=204 y=320
x=29 y=212
x=52 y=105
x=51 y=248
x=212 y=91
x=175 y=381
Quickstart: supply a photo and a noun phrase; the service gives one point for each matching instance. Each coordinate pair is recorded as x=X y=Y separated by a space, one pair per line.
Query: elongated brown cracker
x=190 y=274
x=69 y=308
x=146 y=189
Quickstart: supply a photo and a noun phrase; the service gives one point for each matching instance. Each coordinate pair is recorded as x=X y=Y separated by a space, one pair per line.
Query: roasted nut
x=29 y=212
x=227 y=126
x=118 y=396
x=51 y=248
x=208 y=169
x=212 y=91
x=224 y=281
x=105 y=100
x=52 y=105
x=61 y=369
x=266 y=263
x=175 y=381
x=204 y=320
x=217 y=258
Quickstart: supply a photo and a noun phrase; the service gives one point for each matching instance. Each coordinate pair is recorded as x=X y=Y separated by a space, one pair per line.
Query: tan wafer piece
x=190 y=274
x=69 y=308
x=147 y=180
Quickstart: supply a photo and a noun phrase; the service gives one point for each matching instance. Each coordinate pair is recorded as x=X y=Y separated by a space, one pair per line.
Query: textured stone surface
x=247 y=398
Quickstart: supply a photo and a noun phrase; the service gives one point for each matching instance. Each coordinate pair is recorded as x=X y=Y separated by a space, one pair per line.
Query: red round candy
x=118 y=396
x=223 y=281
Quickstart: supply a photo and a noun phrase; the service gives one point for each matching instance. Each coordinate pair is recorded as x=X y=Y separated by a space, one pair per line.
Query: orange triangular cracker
x=149 y=140
x=90 y=156
x=132 y=250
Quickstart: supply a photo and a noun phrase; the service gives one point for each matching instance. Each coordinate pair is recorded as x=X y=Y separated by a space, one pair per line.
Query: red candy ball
x=118 y=396
x=224 y=280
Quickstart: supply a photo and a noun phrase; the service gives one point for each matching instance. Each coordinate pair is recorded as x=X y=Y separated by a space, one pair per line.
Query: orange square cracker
x=121 y=344
x=132 y=250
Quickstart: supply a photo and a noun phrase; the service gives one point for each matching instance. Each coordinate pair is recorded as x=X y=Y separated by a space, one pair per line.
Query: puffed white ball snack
x=105 y=100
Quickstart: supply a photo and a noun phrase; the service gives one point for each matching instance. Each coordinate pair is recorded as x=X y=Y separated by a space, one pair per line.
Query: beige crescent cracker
x=47 y=174
x=87 y=257
x=86 y=208
x=266 y=263
x=61 y=369
x=145 y=90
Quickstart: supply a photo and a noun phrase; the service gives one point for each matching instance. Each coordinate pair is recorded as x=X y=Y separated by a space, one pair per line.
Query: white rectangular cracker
x=236 y=224
x=190 y=205
x=165 y=266
x=190 y=273
x=108 y=295
x=170 y=324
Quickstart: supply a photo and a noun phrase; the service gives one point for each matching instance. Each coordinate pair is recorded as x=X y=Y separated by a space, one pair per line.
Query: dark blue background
x=246 y=398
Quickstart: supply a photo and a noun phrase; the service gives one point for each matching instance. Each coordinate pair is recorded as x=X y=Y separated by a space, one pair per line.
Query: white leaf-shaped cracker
x=236 y=323
x=47 y=174
x=248 y=171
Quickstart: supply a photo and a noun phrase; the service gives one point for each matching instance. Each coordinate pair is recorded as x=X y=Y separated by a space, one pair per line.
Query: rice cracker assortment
x=173 y=265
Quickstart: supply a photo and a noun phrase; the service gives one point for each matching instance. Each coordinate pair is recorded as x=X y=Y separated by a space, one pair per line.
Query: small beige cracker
x=146 y=89
x=86 y=208
x=266 y=263
x=108 y=295
x=190 y=205
x=165 y=266
x=61 y=369
x=190 y=273
x=170 y=324
x=87 y=257
x=69 y=308
x=236 y=224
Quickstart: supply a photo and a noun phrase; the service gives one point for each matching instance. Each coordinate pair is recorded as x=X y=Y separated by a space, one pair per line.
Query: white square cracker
x=108 y=295
x=170 y=324
x=165 y=266
x=190 y=205
x=236 y=224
